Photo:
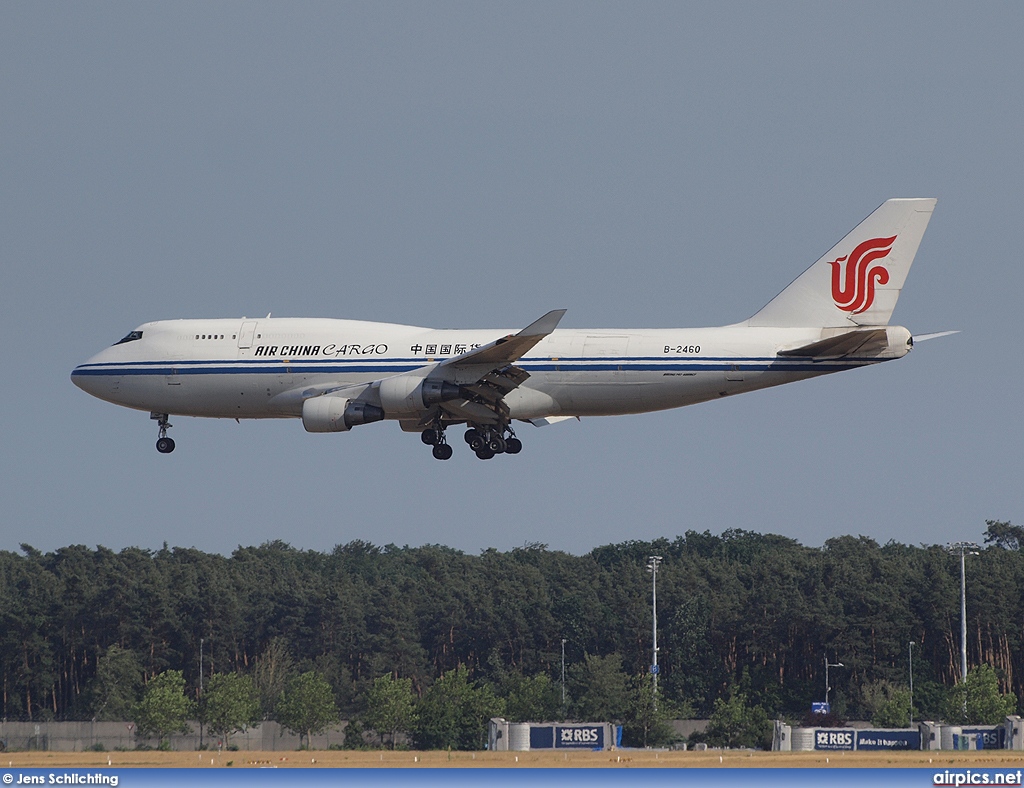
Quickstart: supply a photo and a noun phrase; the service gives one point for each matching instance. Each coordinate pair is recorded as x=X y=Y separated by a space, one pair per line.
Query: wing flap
x=477 y=412
x=502 y=382
x=549 y=420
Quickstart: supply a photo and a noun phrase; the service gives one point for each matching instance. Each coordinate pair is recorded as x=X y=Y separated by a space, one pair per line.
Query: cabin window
x=130 y=337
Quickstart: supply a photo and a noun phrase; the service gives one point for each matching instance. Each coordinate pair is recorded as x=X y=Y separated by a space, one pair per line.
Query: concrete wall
x=78 y=736
x=684 y=728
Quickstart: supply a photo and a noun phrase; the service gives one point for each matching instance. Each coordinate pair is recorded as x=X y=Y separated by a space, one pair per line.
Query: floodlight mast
x=965 y=549
x=910 y=664
x=652 y=567
x=201 y=687
x=563 y=676
x=827 y=666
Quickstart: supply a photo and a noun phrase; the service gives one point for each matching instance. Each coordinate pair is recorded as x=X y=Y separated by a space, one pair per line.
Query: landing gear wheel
x=431 y=437
x=513 y=446
x=164 y=445
x=484 y=453
x=442 y=451
x=496 y=443
x=471 y=435
x=477 y=443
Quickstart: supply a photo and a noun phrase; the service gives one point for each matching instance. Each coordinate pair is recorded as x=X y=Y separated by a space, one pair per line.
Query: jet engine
x=404 y=395
x=337 y=414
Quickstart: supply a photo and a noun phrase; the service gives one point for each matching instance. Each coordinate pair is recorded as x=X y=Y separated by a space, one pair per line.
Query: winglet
x=544 y=325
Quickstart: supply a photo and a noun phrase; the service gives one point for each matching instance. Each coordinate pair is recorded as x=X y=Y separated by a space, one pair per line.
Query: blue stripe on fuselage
x=398 y=366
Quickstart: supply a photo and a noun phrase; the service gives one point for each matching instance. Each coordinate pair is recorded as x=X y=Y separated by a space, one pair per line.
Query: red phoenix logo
x=854 y=291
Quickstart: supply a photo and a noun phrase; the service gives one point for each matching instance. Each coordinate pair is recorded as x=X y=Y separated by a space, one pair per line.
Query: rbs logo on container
x=833 y=739
x=580 y=737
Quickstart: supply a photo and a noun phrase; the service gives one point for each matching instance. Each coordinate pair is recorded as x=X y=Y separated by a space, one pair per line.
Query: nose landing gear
x=164 y=445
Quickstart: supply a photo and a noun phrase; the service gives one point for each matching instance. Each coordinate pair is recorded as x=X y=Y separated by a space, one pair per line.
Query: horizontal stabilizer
x=853 y=343
x=936 y=335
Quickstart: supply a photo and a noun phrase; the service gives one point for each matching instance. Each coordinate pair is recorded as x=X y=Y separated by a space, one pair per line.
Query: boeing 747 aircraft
x=340 y=374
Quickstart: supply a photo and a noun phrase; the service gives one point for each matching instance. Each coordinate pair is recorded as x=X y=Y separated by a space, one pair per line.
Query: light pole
x=965 y=549
x=652 y=567
x=827 y=666
x=910 y=663
x=200 y=688
x=563 y=677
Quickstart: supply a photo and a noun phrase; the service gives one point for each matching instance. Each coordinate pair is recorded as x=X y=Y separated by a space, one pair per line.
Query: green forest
x=742 y=617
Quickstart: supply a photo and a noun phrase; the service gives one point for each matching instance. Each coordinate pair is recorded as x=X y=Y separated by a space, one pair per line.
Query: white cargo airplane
x=337 y=374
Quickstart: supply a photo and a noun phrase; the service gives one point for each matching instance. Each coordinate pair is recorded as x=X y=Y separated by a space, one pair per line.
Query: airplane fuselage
x=237 y=368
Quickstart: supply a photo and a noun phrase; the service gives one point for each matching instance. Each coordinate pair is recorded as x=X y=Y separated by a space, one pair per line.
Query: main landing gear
x=484 y=442
x=434 y=436
x=164 y=445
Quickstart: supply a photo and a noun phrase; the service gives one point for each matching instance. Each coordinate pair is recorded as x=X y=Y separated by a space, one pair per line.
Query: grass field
x=617 y=759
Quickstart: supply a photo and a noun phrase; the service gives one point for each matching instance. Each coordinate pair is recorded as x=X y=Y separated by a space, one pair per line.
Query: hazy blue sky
x=477 y=164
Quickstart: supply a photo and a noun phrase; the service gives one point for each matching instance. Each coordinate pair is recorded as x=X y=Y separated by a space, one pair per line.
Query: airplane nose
x=82 y=379
x=101 y=375
x=92 y=380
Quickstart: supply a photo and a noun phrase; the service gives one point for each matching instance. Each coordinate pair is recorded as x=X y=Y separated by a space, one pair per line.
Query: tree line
x=742 y=616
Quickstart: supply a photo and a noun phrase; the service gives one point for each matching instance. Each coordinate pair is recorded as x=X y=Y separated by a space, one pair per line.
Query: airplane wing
x=466 y=388
x=510 y=348
x=486 y=374
x=469 y=387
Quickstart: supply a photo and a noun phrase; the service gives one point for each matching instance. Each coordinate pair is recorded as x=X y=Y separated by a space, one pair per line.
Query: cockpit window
x=131 y=337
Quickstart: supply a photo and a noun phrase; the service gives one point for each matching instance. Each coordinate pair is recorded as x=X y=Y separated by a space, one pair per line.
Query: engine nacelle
x=404 y=395
x=337 y=414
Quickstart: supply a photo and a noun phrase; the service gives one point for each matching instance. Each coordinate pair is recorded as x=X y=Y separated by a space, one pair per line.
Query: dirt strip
x=616 y=759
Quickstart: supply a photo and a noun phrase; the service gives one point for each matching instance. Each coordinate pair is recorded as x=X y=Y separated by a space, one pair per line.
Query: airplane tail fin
x=858 y=282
